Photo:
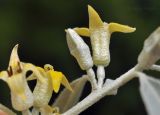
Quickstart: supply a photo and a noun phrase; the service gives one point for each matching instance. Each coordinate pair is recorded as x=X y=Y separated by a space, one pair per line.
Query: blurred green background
x=38 y=28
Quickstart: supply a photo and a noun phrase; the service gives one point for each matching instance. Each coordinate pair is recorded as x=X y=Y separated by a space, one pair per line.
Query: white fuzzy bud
x=151 y=50
x=79 y=49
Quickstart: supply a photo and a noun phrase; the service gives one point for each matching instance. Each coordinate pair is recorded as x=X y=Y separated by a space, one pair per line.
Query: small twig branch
x=96 y=95
x=100 y=75
x=92 y=78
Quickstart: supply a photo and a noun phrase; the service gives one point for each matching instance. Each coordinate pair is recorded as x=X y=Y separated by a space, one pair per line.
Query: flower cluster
x=48 y=80
x=99 y=33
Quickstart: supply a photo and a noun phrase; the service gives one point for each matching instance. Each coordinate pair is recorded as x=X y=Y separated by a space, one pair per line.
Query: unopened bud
x=151 y=50
x=79 y=49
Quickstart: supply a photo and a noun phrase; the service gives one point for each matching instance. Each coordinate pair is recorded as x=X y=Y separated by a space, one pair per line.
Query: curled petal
x=115 y=27
x=33 y=75
x=34 y=69
x=14 y=63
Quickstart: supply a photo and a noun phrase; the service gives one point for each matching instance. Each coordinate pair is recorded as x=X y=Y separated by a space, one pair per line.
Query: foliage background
x=38 y=27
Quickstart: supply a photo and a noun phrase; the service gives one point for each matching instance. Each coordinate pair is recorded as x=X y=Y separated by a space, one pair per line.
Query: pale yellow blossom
x=100 y=33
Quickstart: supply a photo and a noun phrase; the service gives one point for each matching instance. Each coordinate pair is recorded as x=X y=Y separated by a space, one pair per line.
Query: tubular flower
x=100 y=33
x=15 y=77
x=43 y=91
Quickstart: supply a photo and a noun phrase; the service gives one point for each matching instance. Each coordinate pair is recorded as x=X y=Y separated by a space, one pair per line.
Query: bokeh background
x=38 y=28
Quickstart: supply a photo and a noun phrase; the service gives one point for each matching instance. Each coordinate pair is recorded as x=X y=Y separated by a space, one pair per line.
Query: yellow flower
x=15 y=77
x=43 y=91
x=57 y=77
x=100 y=32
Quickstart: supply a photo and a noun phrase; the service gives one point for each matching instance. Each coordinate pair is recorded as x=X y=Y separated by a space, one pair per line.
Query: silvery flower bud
x=79 y=49
x=151 y=50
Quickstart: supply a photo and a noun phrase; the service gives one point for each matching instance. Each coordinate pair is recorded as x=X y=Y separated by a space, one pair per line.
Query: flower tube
x=52 y=81
x=21 y=95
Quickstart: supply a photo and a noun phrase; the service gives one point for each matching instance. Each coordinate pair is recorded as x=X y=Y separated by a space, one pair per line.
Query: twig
x=92 y=78
x=96 y=95
x=100 y=75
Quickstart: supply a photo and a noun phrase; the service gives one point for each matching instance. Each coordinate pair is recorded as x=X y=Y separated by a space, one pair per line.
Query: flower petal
x=94 y=19
x=82 y=31
x=115 y=27
x=31 y=77
x=56 y=79
x=66 y=83
x=35 y=70
x=3 y=75
x=14 y=62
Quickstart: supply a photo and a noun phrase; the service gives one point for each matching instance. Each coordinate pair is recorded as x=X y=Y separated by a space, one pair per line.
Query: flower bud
x=151 y=50
x=79 y=49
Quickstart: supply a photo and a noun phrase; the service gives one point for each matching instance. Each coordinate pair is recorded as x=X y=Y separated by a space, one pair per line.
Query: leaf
x=150 y=53
x=68 y=99
x=150 y=92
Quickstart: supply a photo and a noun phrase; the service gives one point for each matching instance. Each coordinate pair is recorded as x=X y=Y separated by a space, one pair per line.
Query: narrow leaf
x=68 y=99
